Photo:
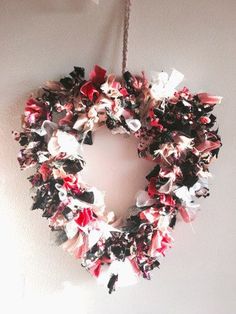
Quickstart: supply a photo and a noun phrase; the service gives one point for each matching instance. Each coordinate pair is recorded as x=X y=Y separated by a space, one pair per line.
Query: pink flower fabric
x=71 y=183
x=205 y=98
x=35 y=111
x=84 y=218
x=45 y=171
x=159 y=244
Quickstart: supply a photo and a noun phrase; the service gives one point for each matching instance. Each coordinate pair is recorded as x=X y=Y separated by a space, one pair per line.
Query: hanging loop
x=125 y=34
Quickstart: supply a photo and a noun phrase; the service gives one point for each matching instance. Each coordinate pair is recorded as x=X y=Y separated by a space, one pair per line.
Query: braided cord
x=125 y=34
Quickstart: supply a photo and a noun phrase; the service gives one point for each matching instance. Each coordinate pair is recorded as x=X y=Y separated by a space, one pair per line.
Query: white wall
x=42 y=40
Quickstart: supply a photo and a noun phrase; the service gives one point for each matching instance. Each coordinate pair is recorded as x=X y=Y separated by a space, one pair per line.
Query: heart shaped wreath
x=175 y=130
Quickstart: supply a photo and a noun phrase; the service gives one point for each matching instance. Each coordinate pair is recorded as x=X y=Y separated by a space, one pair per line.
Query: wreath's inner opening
x=113 y=166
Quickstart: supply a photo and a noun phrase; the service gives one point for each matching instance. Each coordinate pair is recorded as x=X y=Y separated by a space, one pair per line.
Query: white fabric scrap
x=124 y=270
x=164 y=87
x=62 y=142
x=143 y=199
x=71 y=229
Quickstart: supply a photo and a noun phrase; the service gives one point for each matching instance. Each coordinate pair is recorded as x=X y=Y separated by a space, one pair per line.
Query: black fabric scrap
x=111 y=283
x=153 y=173
x=88 y=139
x=67 y=82
x=59 y=236
x=87 y=197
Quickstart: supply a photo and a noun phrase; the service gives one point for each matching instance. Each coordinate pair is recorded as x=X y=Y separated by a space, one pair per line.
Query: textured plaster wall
x=41 y=40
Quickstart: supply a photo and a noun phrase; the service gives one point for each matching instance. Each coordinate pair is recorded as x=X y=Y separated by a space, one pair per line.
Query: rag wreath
x=175 y=130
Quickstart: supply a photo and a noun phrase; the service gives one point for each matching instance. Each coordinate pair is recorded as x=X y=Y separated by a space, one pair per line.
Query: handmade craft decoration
x=175 y=129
